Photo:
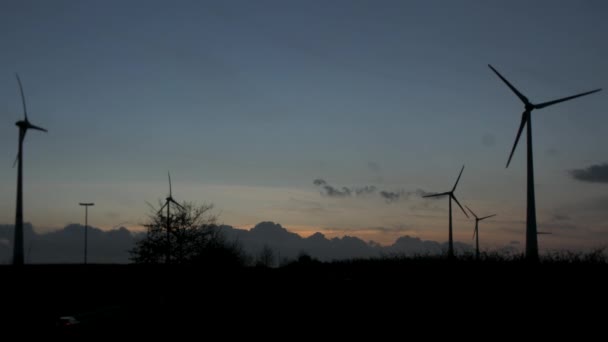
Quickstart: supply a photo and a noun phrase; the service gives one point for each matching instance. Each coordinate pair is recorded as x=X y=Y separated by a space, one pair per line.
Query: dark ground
x=123 y=300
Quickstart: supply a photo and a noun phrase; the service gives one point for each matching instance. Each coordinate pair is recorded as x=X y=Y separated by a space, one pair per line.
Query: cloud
x=592 y=174
x=319 y=182
x=332 y=191
x=382 y=230
x=289 y=245
x=394 y=196
x=366 y=190
x=422 y=193
x=66 y=245
x=389 y=196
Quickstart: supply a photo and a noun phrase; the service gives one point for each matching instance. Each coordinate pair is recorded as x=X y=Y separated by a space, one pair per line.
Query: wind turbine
x=23 y=125
x=452 y=196
x=476 y=231
x=167 y=204
x=526 y=118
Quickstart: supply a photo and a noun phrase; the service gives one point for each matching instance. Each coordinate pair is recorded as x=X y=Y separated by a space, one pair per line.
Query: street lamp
x=86 y=218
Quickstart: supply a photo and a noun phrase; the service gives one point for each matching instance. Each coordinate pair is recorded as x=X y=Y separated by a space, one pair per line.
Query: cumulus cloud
x=592 y=174
x=331 y=191
x=389 y=196
x=366 y=190
x=66 y=245
x=380 y=229
x=422 y=193
x=290 y=245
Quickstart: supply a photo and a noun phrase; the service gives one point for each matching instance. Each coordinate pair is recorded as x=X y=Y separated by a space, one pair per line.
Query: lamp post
x=86 y=218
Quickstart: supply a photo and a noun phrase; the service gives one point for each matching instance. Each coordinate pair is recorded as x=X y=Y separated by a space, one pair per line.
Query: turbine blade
x=485 y=217
x=524 y=120
x=169 y=174
x=461 y=208
x=474 y=233
x=21 y=138
x=30 y=126
x=471 y=211
x=550 y=103
x=22 y=96
x=436 y=195
x=163 y=207
x=520 y=95
x=177 y=204
x=458 y=179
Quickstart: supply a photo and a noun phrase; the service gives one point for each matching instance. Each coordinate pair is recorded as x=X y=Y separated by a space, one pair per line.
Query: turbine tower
x=526 y=118
x=476 y=231
x=452 y=196
x=167 y=204
x=23 y=125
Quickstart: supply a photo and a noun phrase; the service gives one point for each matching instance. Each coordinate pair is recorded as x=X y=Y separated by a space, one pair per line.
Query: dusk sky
x=247 y=103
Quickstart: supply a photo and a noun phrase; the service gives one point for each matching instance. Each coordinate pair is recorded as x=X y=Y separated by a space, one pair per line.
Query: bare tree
x=193 y=237
x=266 y=257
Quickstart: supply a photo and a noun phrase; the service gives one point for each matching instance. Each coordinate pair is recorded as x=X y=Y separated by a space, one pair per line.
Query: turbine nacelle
x=451 y=193
x=169 y=199
x=477 y=218
x=25 y=125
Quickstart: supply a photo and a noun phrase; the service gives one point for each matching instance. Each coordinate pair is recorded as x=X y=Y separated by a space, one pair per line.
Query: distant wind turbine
x=23 y=125
x=452 y=196
x=476 y=231
x=167 y=204
x=526 y=118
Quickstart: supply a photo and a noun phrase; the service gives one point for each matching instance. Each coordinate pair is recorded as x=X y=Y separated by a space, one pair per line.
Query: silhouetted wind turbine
x=452 y=196
x=526 y=118
x=167 y=204
x=23 y=125
x=476 y=231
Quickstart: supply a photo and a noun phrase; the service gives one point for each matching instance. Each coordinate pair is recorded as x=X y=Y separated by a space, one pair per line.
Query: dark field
x=135 y=300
